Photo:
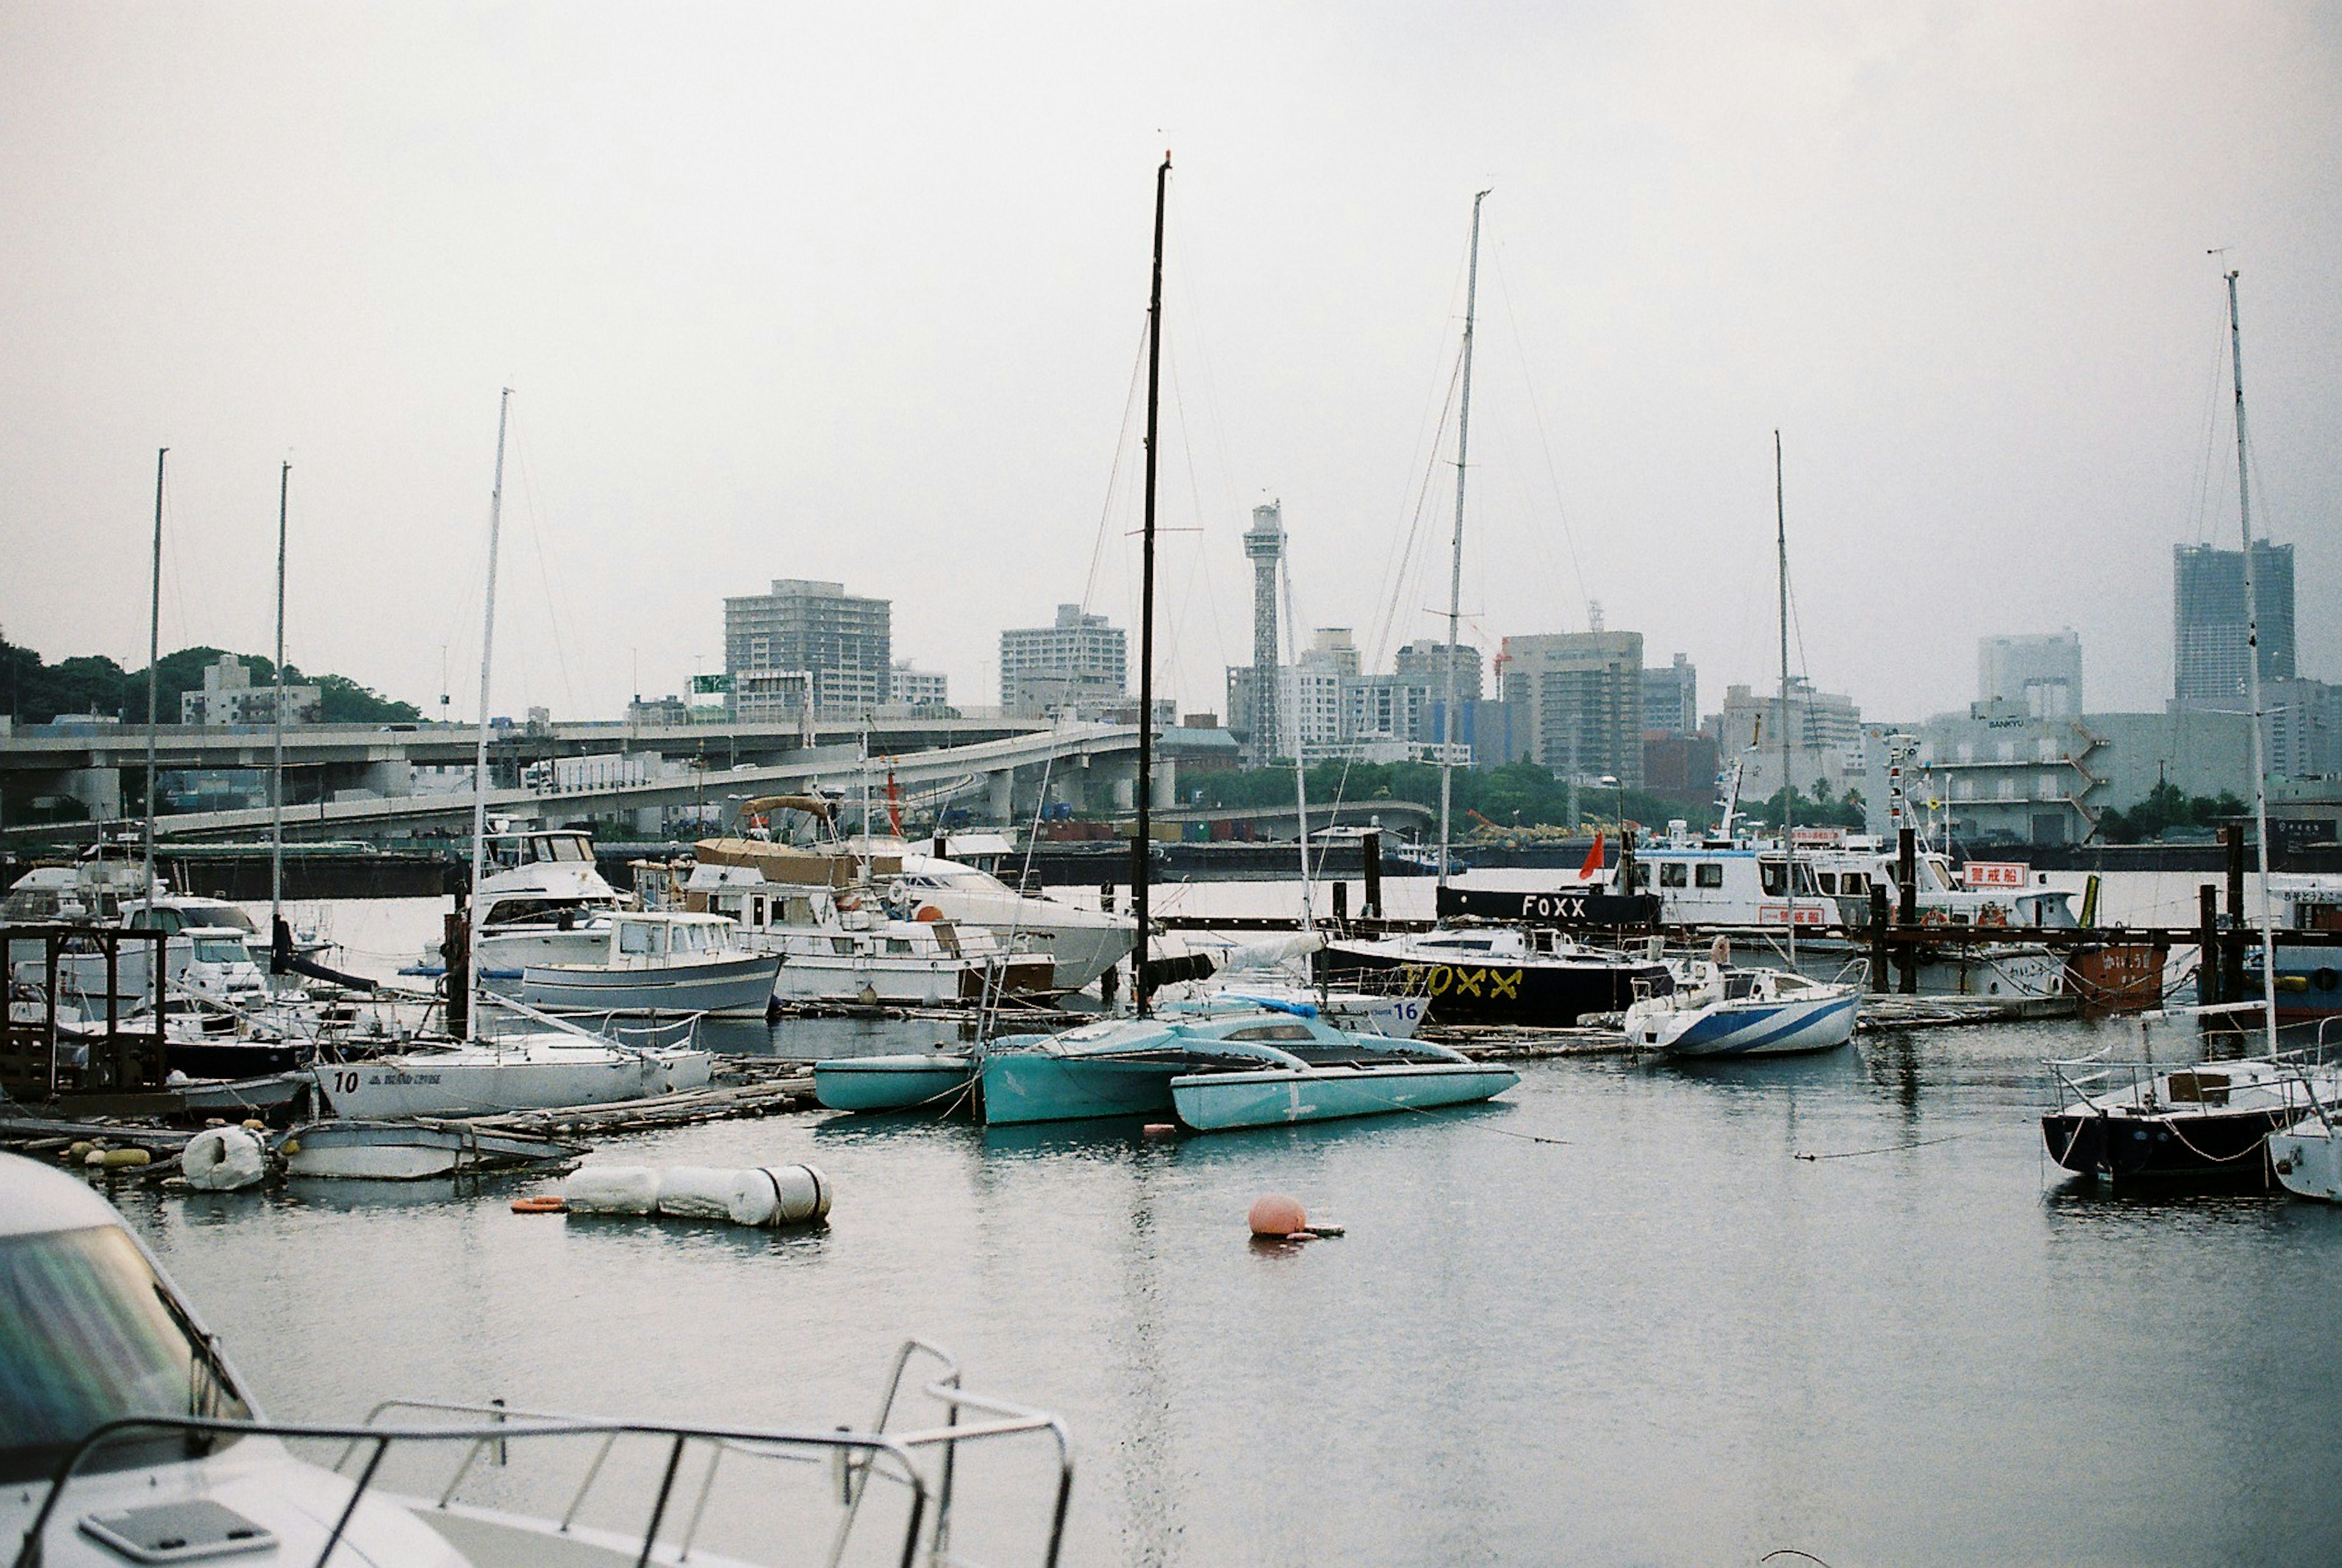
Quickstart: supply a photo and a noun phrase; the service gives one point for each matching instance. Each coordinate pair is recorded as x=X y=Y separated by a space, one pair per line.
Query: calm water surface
x=1613 y=1318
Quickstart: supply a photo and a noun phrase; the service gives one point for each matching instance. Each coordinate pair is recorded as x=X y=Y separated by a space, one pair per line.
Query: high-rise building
x=842 y=644
x=2208 y=621
x=1824 y=735
x=1265 y=547
x=1582 y=693
x=1333 y=648
x=1671 y=698
x=912 y=688
x=2041 y=673
x=1078 y=664
x=1424 y=664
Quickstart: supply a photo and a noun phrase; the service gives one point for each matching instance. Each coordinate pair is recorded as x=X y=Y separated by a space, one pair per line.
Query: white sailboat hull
x=540 y=1073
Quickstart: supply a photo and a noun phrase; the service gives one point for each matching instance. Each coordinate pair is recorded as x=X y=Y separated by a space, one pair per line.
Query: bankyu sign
x=1992 y=874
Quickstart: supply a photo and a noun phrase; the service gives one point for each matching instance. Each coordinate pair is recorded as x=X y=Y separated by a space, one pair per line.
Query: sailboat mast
x=2253 y=680
x=153 y=666
x=1456 y=553
x=277 y=716
x=1300 y=765
x=1788 y=835
x=480 y=760
x=1143 y=842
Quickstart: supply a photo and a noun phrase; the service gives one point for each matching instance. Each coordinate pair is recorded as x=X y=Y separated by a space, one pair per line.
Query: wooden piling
x=455 y=948
x=1877 y=938
x=1907 y=872
x=1371 y=847
x=2232 y=945
x=2208 y=991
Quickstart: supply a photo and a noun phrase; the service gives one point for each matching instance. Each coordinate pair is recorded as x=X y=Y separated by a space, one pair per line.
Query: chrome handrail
x=859 y=1456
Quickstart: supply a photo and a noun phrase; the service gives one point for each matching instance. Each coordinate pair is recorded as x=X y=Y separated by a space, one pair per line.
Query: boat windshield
x=221 y=949
x=88 y=1335
x=217 y=912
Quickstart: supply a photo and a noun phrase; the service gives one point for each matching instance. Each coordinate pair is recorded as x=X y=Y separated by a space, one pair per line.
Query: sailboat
x=1719 y=1011
x=557 y=1065
x=1488 y=976
x=1229 y=1065
x=2123 y=1120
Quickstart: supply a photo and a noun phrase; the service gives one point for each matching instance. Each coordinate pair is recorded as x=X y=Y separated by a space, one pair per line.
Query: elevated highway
x=999 y=770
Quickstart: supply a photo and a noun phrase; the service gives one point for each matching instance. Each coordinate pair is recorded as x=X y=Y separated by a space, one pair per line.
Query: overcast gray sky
x=857 y=292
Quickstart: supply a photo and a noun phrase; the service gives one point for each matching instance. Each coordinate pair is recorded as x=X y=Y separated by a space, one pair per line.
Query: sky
x=858 y=293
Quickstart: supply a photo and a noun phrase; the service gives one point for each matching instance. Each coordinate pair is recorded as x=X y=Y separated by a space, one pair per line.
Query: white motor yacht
x=126 y=1437
x=1082 y=943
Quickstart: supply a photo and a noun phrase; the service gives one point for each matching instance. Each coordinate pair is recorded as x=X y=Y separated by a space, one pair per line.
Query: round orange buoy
x=1274 y=1214
x=928 y=912
x=546 y=1205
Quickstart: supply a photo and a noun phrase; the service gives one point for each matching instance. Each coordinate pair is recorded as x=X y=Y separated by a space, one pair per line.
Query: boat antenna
x=1455 y=554
x=480 y=763
x=2253 y=679
x=276 y=714
x=1143 y=840
x=153 y=668
x=1789 y=834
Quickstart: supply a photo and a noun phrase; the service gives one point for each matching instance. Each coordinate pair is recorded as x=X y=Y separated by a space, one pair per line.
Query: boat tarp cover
x=787 y=863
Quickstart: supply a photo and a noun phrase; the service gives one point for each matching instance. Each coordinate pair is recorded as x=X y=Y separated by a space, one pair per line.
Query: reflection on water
x=1612 y=1317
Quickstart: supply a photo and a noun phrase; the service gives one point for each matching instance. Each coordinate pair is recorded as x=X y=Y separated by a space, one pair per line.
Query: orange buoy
x=928 y=912
x=1275 y=1214
x=546 y=1205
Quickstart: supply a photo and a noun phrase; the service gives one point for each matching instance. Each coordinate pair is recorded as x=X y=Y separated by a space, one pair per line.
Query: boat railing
x=2102 y=1073
x=650 y=1034
x=684 y=1460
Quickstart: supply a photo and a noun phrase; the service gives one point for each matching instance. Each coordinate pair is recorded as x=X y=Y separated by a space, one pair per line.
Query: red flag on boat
x=1593 y=866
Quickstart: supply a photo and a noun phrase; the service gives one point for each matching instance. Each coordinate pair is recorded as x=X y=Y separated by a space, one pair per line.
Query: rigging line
x=1889 y=1148
x=544 y=574
x=2202 y=519
x=1398 y=571
x=1190 y=312
x=1401 y=569
x=1544 y=441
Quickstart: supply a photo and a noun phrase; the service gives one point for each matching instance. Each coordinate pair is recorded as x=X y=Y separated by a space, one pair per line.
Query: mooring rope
x=1890 y=1148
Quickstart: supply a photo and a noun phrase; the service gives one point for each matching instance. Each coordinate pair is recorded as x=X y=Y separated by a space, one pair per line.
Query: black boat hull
x=1539 y=992
x=2225 y=1145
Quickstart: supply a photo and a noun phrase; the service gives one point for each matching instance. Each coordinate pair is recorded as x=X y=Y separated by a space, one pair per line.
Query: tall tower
x=1264 y=542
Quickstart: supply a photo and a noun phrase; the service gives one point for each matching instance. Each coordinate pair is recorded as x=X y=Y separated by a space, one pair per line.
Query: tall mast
x=2252 y=680
x=1455 y=558
x=153 y=666
x=1144 y=842
x=480 y=761
x=276 y=714
x=1300 y=766
x=1788 y=837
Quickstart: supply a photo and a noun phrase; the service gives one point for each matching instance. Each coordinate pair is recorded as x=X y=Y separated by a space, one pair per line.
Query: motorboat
x=541 y=899
x=1717 y=1010
x=1277 y=975
x=1081 y=944
x=659 y=961
x=127 y=1436
x=1500 y=974
x=2125 y=1120
x=2308 y=969
x=838 y=942
x=542 y=1069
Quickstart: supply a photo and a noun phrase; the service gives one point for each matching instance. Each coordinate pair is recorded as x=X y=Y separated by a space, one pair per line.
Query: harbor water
x=1628 y=1313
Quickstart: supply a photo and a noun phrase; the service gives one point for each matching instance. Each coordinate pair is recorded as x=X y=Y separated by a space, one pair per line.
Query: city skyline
x=1958 y=260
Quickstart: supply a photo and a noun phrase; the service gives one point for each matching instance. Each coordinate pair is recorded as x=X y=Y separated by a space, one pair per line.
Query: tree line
x=36 y=692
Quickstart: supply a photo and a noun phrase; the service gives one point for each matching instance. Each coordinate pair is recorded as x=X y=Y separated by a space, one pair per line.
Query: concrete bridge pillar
x=999 y=789
x=99 y=789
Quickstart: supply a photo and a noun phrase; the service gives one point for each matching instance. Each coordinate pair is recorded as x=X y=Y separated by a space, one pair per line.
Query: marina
x=1076 y=857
